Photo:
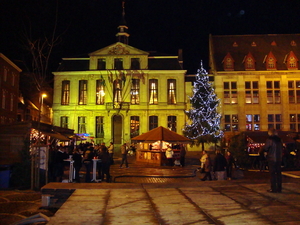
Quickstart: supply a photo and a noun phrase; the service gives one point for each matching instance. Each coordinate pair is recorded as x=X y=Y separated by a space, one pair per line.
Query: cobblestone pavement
x=165 y=195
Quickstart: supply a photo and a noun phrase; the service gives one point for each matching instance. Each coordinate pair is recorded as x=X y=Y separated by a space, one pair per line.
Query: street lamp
x=38 y=150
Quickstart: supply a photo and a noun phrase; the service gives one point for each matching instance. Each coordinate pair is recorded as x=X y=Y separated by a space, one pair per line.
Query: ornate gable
x=271 y=62
x=228 y=62
x=291 y=61
x=249 y=62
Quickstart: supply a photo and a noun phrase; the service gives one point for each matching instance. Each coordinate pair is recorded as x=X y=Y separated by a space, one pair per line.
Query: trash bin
x=4 y=176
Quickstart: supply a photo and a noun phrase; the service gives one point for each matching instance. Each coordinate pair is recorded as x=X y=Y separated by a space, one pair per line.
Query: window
x=134 y=126
x=271 y=62
x=117 y=92
x=251 y=92
x=64 y=122
x=294 y=91
x=81 y=124
x=153 y=91
x=292 y=61
x=273 y=92
x=252 y=122
x=99 y=127
x=100 y=92
x=231 y=123
x=228 y=62
x=153 y=122
x=13 y=81
x=135 y=64
x=249 y=62
x=5 y=73
x=65 y=92
x=274 y=121
x=101 y=64
x=171 y=91
x=135 y=92
x=295 y=122
x=172 y=123
x=3 y=98
x=82 y=92
x=230 y=93
x=118 y=64
x=11 y=102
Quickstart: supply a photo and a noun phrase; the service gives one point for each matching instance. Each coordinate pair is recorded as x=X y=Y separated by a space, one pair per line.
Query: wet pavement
x=146 y=194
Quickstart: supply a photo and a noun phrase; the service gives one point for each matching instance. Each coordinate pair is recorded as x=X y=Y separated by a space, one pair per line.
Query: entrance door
x=117 y=129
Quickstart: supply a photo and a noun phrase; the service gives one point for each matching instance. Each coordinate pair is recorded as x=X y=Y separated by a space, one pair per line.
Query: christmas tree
x=204 y=119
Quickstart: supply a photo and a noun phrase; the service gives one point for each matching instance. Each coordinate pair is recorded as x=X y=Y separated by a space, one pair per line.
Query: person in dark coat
x=58 y=164
x=220 y=166
x=273 y=147
x=88 y=157
x=182 y=155
x=207 y=168
x=77 y=157
x=230 y=165
x=105 y=164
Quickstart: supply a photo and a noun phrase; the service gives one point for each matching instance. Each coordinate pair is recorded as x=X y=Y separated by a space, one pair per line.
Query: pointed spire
x=122 y=35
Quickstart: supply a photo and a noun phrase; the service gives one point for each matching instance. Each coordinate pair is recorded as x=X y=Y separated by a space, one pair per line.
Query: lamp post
x=38 y=150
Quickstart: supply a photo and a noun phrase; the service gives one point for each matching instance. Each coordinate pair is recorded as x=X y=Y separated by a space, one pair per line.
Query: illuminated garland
x=203 y=116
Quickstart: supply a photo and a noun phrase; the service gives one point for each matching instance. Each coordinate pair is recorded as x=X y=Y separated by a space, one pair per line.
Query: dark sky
x=154 y=25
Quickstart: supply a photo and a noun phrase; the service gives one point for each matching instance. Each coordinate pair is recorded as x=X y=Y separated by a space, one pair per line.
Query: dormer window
x=249 y=62
x=228 y=62
x=292 y=61
x=271 y=62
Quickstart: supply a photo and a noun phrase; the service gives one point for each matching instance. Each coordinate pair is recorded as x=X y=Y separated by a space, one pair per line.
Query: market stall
x=151 y=146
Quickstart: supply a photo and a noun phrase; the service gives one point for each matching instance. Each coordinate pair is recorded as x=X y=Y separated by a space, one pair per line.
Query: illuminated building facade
x=9 y=90
x=119 y=92
x=257 y=78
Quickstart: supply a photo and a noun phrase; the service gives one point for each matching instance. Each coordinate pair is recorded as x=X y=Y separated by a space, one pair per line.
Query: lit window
x=65 y=92
x=134 y=126
x=100 y=92
x=82 y=92
x=117 y=92
x=271 y=62
x=81 y=124
x=249 y=62
x=64 y=121
x=171 y=91
x=292 y=61
x=251 y=92
x=172 y=123
x=230 y=93
x=231 y=122
x=153 y=91
x=135 y=92
x=273 y=92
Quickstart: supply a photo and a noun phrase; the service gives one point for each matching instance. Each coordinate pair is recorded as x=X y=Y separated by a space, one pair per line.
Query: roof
x=258 y=45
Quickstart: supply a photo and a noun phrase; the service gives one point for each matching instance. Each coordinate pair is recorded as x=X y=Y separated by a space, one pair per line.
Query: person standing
x=111 y=152
x=169 y=155
x=105 y=164
x=77 y=164
x=124 y=152
x=273 y=147
x=182 y=155
x=59 y=158
x=207 y=168
x=88 y=156
x=220 y=165
x=230 y=164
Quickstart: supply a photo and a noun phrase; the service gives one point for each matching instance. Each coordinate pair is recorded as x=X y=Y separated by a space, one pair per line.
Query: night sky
x=165 y=26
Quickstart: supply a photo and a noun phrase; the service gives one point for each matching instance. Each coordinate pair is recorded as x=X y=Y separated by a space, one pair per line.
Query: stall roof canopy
x=161 y=134
x=261 y=136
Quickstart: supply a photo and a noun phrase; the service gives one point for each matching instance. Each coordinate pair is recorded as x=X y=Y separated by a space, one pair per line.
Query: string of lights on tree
x=204 y=120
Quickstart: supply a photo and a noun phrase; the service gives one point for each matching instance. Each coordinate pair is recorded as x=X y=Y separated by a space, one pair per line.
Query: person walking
x=111 y=152
x=273 y=147
x=124 y=152
x=207 y=168
x=220 y=165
